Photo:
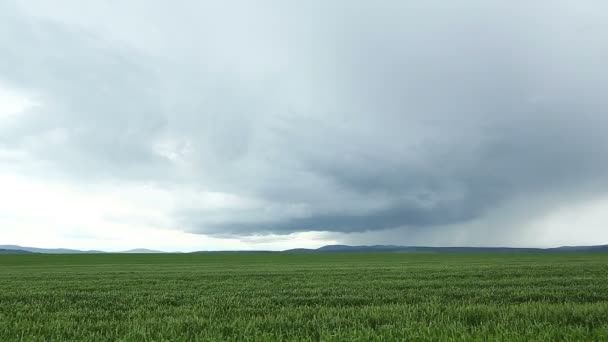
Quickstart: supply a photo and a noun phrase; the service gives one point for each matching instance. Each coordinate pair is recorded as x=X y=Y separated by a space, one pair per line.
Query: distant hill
x=423 y=249
x=235 y=252
x=599 y=248
x=46 y=250
x=15 y=251
x=142 y=251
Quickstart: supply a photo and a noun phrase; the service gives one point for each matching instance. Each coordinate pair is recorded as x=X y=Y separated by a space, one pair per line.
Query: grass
x=325 y=297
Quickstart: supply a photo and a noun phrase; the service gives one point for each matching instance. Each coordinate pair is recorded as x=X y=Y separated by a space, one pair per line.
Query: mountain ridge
x=142 y=251
x=14 y=249
x=455 y=249
x=48 y=250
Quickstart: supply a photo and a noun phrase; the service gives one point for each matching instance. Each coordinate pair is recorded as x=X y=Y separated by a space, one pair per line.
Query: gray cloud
x=325 y=118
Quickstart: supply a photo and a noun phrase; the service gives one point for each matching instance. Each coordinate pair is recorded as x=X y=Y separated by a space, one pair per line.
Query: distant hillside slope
x=15 y=251
x=142 y=251
x=47 y=250
x=422 y=249
x=599 y=248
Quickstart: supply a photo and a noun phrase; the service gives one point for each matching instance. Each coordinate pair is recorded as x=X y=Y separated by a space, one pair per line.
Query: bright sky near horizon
x=223 y=125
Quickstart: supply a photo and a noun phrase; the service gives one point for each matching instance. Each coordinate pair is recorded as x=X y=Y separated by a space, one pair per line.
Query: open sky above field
x=215 y=125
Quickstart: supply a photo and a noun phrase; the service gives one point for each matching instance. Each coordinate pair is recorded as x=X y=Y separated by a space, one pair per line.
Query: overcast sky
x=206 y=125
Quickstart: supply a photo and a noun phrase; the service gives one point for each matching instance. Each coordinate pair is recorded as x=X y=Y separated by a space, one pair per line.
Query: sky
x=230 y=125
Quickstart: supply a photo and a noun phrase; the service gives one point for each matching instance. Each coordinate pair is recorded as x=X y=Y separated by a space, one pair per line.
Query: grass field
x=304 y=297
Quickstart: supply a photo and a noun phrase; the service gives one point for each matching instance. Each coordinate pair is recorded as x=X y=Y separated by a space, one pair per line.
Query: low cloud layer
x=398 y=120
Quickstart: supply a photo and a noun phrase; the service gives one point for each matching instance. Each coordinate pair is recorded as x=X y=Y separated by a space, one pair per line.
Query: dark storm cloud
x=408 y=213
x=323 y=118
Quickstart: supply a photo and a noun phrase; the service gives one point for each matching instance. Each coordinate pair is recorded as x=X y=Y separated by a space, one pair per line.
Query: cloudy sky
x=206 y=125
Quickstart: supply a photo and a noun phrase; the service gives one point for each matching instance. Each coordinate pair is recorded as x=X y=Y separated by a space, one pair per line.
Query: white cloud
x=118 y=217
x=573 y=224
x=13 y=102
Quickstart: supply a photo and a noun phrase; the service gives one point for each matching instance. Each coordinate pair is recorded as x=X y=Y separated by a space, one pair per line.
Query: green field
x=304 y=297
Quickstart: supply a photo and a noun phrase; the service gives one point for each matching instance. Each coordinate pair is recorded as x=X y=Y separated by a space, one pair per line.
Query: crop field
x=320 y=297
